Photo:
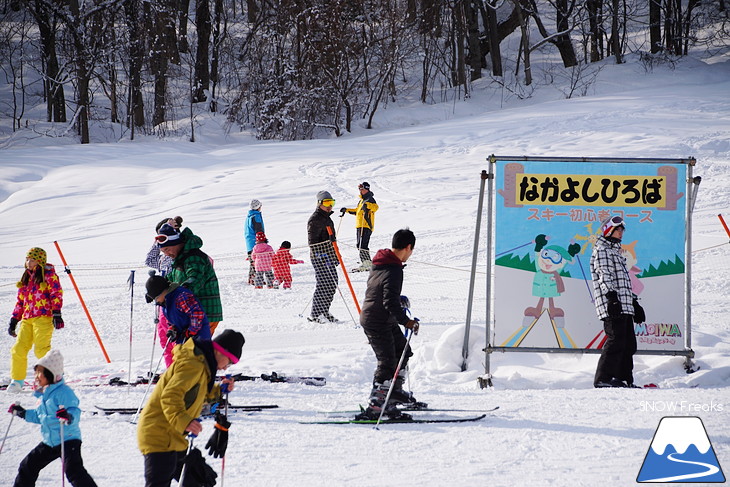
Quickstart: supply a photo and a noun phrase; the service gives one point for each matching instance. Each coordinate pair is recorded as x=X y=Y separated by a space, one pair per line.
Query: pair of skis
x=274 y=377
x=412 y=418
x=249 y=408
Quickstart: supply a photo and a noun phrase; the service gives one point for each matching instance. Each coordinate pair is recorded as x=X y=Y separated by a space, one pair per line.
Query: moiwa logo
x=681 y=452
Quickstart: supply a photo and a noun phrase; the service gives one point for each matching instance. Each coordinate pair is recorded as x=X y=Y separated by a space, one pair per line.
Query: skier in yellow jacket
x=364 y=223
x=177 y=401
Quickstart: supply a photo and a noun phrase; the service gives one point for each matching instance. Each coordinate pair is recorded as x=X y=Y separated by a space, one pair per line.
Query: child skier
x=58 y=404
x=281 y=261
x=178 y=399
x=183 y=312
x=37 y=312
x=262 y=256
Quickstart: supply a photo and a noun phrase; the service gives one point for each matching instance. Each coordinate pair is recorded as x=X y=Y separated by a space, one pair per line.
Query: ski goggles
x=552 y=255
x=612 y=223
x=164 y=240
x=328 y=202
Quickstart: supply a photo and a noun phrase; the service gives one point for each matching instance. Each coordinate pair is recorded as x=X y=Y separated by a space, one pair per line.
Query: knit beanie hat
x=323 y=195
x=261 y=237
x=168 y=236
x=230 y=343
x=39 y=255
x=285 y=244
x=364 y=185
x=53 y=362
x=255 y=204
x=155 y=286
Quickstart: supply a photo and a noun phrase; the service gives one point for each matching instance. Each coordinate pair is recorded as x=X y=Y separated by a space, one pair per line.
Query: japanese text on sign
x=591 y=190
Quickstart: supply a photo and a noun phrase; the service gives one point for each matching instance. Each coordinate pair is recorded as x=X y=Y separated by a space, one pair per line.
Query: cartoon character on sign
x=629 y=253
x=548 y=283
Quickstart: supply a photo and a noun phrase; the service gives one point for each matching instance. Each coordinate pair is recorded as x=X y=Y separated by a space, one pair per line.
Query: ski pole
x=61 y=422
x=223 y=460
x=190 y=447
x=149 y=384
x=392 y=382
x=154 y=340
x=130 y=281
x=7 y=431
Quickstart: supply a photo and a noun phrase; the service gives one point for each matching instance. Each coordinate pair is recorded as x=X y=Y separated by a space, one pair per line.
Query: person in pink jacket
x=262 y=255
x=281 y=263
x=36 y=314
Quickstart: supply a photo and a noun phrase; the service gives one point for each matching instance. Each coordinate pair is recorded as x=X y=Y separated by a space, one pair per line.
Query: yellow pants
x=33 y=332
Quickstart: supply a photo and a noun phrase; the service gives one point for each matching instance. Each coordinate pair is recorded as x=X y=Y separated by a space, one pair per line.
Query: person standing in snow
x=182 y=311
x=364 y=223
x=262 y=256
x=614 y=306
x=192 y=268
x=320 y=235
x=57 y=402
x=381 y=314
x=281 y=264
x=177 y=401
x=163 y=264
x=254 y=224
x=36 y=314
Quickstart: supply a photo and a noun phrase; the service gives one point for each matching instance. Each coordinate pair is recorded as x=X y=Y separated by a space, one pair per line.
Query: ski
x=417 y=409
x=249 y=408
x=401 y=421
x=274 y=377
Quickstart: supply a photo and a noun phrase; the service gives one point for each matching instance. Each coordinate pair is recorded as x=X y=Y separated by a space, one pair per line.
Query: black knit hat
x=155 y=286
x=230 y=343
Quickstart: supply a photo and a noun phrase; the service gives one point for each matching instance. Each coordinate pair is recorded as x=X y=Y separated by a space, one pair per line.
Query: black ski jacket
x=381 y=306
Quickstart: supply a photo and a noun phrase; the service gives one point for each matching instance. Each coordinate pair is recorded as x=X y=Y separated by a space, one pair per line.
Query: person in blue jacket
x=58 y=403
x=185 y=316
x=254 y=224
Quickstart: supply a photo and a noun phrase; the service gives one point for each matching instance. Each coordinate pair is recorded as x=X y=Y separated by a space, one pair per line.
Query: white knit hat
x=53 y=362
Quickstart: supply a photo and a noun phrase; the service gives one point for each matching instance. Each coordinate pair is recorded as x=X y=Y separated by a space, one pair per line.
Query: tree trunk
x=202 y=71
x=616 y=31
x=655 y=25
x=494 y=40
x=182 y=30
x=595 y=20
x=55 y=99
x=525 y=43
x=217 y=39
x=562 y=40
x=82 y=71
x=135 y=106
x=475 y=51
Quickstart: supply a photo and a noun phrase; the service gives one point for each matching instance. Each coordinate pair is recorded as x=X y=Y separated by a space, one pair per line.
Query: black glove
x=614 y=305
x=639 y=314
x=63 y=415
x=218 y=441
x=57 y=320
x=171 y=334
x=343 y=211
x=11 y=328
x=17 y=410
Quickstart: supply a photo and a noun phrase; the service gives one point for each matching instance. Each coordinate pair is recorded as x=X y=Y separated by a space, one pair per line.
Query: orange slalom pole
x=344 y=270
x=722 y=220
x=83 y=304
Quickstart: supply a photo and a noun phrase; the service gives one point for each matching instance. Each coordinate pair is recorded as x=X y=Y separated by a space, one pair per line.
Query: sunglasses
x=328 y=202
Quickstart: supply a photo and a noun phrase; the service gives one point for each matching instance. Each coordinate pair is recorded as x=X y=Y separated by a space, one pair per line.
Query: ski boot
x=377 y=403
x=401 y=397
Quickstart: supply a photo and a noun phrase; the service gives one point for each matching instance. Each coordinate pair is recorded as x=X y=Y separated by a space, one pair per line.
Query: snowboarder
x=614 y=306
x=57 y=403
x=254 y=224
x=262 y=256
x=182 y=311
x=178 y=399
x=324 y=258
x=381 y=314
x=281 y=263
x=36 y=314
x=192 y=268
x=364 y=223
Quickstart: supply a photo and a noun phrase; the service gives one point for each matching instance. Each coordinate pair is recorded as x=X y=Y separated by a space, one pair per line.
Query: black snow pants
x=42 y=455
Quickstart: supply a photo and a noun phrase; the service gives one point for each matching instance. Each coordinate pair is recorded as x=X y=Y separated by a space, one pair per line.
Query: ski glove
x=64 y=415
x=12 y=327
x=218 y=441
x=57 y=320
x=413 y=325
x=171 y=334
x=639 y=314
x=614 y=305
x=17 y=410
x=343 y=211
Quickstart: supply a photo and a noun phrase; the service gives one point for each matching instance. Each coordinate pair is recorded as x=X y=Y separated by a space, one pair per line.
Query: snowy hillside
x=101 y=202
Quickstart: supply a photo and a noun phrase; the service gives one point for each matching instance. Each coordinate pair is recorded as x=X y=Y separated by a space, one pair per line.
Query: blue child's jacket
x=51 y=399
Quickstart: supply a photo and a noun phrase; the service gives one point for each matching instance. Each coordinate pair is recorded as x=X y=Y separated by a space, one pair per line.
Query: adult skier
x=324 y=258
x=364 y=223
x=381 y=314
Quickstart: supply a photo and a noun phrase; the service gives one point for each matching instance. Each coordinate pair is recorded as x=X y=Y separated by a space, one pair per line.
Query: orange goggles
x=328 y=202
